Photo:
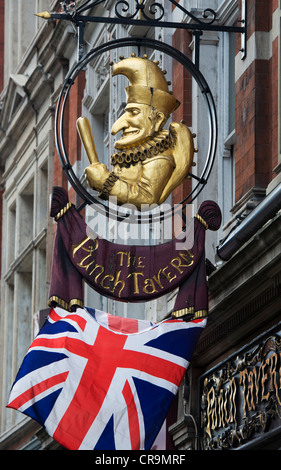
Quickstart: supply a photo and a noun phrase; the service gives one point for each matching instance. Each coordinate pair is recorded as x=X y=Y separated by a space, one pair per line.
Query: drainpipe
x=265 y=211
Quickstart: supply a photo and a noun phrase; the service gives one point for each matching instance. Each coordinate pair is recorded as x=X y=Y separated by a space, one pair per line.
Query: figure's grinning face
x=138 y=123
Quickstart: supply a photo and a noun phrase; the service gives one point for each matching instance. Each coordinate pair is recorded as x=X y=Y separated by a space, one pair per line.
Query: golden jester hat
x=148 y=84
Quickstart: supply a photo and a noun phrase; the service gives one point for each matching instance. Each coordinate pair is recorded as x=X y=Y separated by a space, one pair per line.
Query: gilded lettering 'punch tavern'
x=150 y=162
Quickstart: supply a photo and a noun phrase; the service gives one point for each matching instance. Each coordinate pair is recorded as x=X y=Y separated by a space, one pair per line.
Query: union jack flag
x=97 y=381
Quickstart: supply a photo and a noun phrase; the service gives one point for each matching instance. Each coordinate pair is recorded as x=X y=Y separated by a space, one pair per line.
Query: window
x=11 y=234
x=42 y=198
x=7 y=352
x=24 y=273
x=25 y=214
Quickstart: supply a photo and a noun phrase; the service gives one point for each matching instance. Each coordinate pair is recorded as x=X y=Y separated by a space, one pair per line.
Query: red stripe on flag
x=134 y=427
x=109 y=357
x=106 y=354
x=92 y=388
x=37 y=389
x=81 y=322
x=123 y=325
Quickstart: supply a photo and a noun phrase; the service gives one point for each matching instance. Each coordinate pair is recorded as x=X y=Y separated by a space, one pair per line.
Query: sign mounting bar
x=145 y=13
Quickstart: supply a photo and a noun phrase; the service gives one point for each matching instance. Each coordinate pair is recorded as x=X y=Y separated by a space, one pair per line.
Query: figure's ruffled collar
x=161 y=141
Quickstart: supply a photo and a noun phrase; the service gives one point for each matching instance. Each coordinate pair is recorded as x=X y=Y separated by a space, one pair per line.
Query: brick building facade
x=216 y=407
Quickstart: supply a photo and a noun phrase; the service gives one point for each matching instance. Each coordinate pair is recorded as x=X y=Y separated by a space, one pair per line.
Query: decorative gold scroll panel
x=242 y=398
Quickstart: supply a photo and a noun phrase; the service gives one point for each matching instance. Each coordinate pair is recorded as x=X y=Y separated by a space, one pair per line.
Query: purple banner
x=124 y=272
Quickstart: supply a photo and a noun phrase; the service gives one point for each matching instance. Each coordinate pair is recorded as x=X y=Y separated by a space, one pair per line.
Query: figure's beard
x=155 y=145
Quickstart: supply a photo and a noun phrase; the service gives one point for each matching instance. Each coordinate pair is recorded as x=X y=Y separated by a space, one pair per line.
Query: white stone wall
x=27 y=153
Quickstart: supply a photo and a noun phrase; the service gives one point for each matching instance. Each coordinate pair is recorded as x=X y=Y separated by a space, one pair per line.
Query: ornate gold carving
x=150 y=162
x=161 y=141
x=242 y=397
x=148 y=84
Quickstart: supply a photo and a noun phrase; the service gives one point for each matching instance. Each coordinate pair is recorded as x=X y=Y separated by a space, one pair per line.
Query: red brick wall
x=252 y=148
x=256 y=148
x=182 y=90
x=71 y=138
x=59 y=176
x=75 y=109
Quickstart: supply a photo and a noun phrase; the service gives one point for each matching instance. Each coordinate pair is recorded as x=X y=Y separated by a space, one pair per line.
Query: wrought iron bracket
x=146 y=13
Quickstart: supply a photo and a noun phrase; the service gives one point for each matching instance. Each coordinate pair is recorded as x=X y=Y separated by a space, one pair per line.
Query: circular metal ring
x=212 y=123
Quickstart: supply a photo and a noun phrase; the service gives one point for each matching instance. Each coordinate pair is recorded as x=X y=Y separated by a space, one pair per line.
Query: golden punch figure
x=149 y=161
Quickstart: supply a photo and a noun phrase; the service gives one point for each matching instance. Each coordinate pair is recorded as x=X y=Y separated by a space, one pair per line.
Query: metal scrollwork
x=125 y=8
x=69 y=7
x=149 y=11
x=124 y=5
x=207 y=13
x=155 y=9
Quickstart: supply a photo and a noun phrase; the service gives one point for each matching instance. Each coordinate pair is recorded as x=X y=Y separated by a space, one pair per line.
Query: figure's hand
x=96 y=175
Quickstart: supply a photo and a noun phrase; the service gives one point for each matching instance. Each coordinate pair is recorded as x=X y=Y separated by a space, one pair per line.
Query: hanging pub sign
x=148 y=163
x=240 y=400
x=92 y=379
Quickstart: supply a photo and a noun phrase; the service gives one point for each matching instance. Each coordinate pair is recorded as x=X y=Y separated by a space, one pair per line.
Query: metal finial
x=44 y=14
